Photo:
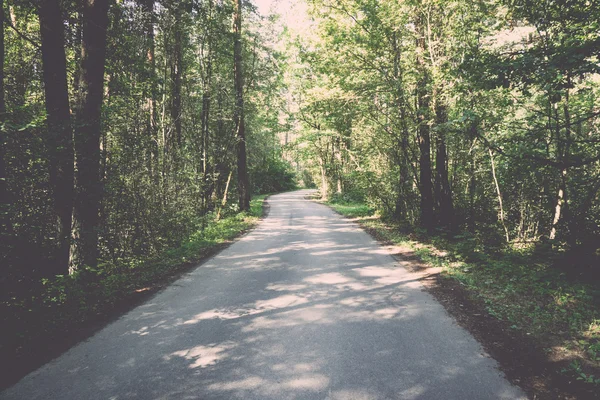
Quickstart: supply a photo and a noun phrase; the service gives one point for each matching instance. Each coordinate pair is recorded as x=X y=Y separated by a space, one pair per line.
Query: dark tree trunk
x=5 y=223
x=60 y=133
x=176 y=71
x=87 y=136
x=150 y=91
x=205 y=119
x=243 y=182
x=401 y=206
x=423 y=133
x=472 y=219
x=442 y=190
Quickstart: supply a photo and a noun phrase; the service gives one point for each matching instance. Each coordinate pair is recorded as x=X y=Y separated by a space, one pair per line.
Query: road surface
x=306 y=306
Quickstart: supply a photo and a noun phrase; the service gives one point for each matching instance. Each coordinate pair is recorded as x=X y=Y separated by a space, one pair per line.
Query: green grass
x=352 y=209
x=69 y=302
x=516 y=286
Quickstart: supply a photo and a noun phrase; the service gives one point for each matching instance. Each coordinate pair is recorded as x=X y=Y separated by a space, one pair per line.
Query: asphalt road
x=306 y=306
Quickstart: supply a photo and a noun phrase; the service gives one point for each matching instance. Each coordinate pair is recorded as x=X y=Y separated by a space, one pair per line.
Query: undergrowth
x=55 y=307
x=519 y=286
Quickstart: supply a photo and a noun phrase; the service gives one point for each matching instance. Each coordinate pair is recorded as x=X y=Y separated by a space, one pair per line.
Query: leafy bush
x=273 y=175
x=307 y=180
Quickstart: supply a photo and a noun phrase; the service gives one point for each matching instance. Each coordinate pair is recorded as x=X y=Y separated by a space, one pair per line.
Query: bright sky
x=264 y=6
x=293 y=13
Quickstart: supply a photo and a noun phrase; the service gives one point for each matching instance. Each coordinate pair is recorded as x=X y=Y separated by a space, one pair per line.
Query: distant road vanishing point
x=306 y=306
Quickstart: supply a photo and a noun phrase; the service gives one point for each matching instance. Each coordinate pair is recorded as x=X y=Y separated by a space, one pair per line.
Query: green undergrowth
x=63 y=304
x=519 y=286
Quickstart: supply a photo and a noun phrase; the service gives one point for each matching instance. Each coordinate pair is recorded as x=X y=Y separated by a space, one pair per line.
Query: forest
x=468 y=132
x=478 y=116
x=128 y=129
x=131 y=129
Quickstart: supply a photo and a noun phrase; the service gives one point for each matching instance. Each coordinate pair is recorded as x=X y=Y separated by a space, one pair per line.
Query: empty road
x=306 y=306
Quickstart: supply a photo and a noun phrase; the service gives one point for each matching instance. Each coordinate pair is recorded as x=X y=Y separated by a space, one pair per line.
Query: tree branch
x=22 y=35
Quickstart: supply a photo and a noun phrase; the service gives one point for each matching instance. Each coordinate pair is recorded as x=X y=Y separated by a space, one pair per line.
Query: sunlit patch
x=280 y=302
x=213 y=314
x=304 y=367
x=353 y=301
x=203 y=356
x=291 y=318
x=143 y=331
x=312 y=382
x=387 y=313
x=413 y=392
x=331 y=278
x=252 y=382
x=130 y=363
x=279 y=367
x=352 y=394
x=258 y=307
x=280 y=287
x=385 y=276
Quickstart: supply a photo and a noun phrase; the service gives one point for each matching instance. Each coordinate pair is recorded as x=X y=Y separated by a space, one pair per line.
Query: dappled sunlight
x=203 y=356
x=383 y=275
x=354 y=394
x=280 y=302
x=328 y=279
x=304 y=382
x=413 y=392
x=258 y=307
x=282 y=287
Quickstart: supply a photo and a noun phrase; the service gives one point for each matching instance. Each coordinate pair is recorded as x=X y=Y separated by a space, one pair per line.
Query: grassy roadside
x=518 y=287
x=67 y=309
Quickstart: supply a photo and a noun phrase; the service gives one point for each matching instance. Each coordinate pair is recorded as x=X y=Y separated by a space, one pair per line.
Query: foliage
x=165 y=162
x=167 y=146
x=273 y=175
x=475 y=117
x=71 y=301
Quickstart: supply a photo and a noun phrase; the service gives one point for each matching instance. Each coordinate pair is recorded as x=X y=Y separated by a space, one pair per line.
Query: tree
x=60 y=134
x=87 y=136
x=242 y=169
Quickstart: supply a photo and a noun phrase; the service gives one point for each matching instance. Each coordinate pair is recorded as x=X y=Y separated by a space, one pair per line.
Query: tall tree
x=243 y=180
x=442 y=185
x=5 y=224
x=423 y=123
x=87 y=135
x=60 y=134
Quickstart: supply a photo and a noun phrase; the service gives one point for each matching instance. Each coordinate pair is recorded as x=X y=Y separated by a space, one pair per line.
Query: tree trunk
x=324 y=180
x=423 y=133
x=337 y=149
x=224 y=201
x=150 y=90
x=443 y=192
x=561 y=208
x=499 y=194
x=176 y=76
x=402 y=158
x=472 y=185
x=18 y=97
x=243 y=181
x=60 y=133
x=5 y=222
x=205 y=116
x=560 y=203
x=87 y=138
